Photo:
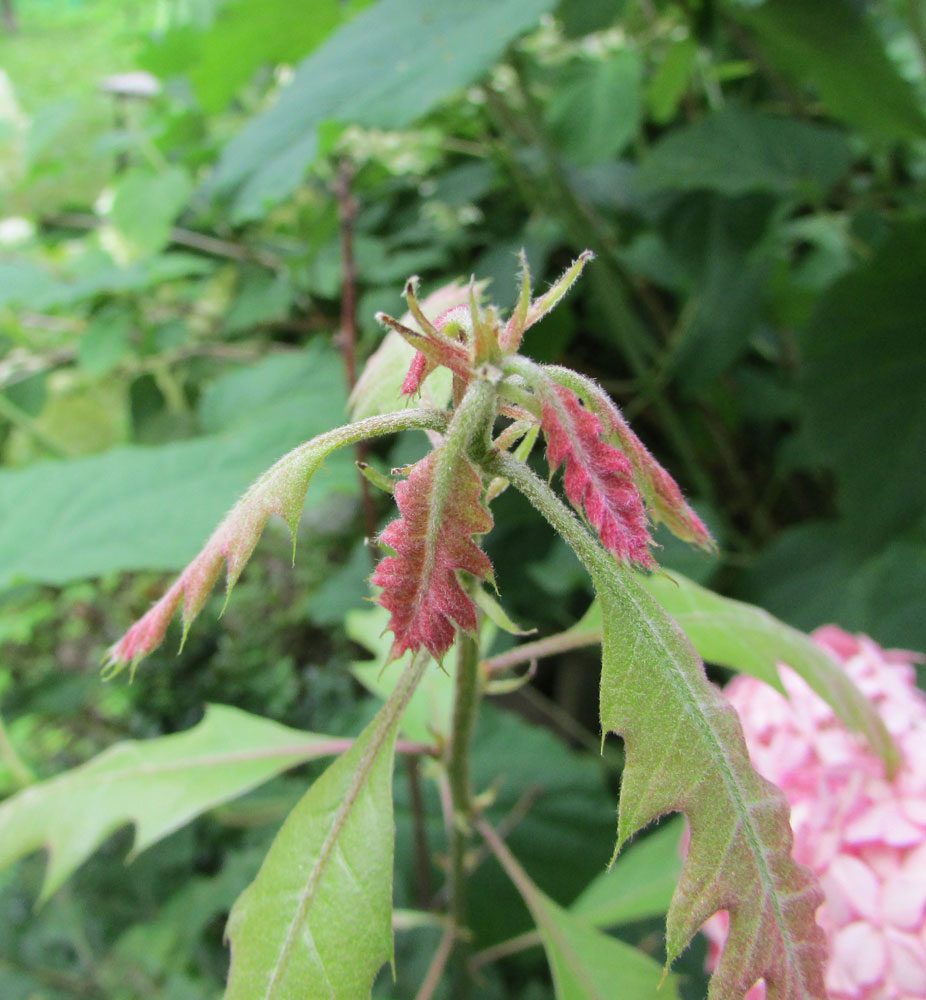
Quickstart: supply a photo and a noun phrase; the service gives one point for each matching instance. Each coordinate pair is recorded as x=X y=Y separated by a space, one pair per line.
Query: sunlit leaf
x=834 y=47
x=151 y=507
x=158 y=785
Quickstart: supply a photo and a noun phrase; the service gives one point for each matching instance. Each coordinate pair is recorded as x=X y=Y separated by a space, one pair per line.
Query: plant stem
x=562 y=642
x=465 y=704
x=466 y=696
x=436 y=968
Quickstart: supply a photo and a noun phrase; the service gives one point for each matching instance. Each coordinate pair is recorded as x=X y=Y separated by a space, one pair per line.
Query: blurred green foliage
x=751 y=176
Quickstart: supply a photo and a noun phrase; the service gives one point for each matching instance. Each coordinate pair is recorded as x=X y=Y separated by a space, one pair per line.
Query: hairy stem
x=465 y=705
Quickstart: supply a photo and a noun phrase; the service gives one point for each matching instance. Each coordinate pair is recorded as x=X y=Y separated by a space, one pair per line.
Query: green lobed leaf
x=685 y=752
x=639 y=885
x=158 y=785
x=833 y=46
x=750 y=640
x=390 y=65
x=317 y=919
x=586 y=964
x=738 y=151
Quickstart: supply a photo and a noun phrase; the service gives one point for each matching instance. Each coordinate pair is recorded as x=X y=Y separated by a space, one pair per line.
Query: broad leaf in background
x=144 y=208
x=746 y=638
x=597 y=104
x=834 y=45
x=244 y=37
x=639 y=885
x=317 y=920
x=862 y=386
x=159 y=785
x=738 y=151
x=865 y=419
x=28 y=285
x=368 y=73
x=586 y=964
x=152 y=507
x=675 y=725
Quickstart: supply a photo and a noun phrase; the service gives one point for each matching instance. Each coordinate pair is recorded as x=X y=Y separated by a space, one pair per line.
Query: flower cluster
x=862 y=834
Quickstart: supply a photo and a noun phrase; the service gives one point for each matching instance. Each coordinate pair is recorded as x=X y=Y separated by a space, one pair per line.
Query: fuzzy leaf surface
x=598 y=478
x=685 y=752
x=750 y=640
x=586 y=964
x=316 y=922
x=281 y=490
x=158 y=784
x=441 y=511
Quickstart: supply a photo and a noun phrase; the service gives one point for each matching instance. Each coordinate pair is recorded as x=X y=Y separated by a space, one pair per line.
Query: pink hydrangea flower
x=864 y=836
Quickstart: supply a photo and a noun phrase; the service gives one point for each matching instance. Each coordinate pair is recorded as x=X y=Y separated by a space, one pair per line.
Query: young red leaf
x=280 y=490
x=598 y=477
x=660 y=492
x=441 y=511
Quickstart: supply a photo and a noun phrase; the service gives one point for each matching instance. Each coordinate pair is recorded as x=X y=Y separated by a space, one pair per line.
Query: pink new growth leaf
x=661 y=495
x=863 y=835
x=433 y=540
x=598 y=477
x=280 y=490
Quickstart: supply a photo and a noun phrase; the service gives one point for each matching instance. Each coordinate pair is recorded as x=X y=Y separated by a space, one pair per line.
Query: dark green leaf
x=389 y=66
x=832 y=45
x=596 y=105
x=862 y=386
x=737 y=150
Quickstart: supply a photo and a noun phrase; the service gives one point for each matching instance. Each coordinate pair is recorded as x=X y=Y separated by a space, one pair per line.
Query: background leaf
x=640 y=884
x=159 y=785
x=347 y=80
x=834 y=45
x=151 y=508
x=739 y=151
